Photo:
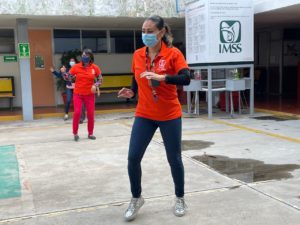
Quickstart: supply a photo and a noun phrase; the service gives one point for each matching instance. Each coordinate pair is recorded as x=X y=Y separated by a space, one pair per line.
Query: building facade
x=112 y=29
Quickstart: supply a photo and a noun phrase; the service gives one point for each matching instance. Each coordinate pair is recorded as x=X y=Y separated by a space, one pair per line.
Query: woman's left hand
x=153 y=76
x=93 y=89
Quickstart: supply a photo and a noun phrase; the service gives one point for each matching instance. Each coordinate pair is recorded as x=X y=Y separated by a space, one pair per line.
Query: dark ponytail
x=160 y=24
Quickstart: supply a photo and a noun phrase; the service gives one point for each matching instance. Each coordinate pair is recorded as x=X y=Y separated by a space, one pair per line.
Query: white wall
x=11 y=69
x=268 y=5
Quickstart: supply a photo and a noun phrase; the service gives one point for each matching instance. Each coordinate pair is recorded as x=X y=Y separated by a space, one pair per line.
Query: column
x=24 y=64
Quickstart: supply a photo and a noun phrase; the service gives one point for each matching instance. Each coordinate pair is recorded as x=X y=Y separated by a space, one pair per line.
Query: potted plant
x=235 y=82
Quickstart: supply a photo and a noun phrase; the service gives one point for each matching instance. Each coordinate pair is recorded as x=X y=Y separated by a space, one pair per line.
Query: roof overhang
x=269 y=14
x=80 y=22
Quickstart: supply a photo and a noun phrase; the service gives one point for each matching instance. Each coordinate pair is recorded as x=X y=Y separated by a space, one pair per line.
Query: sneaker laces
x=133 y=203
x=180 y=203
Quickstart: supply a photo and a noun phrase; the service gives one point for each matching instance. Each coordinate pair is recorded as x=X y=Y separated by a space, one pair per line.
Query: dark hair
x=75 y=59
x=160 y=24
x=89 y=52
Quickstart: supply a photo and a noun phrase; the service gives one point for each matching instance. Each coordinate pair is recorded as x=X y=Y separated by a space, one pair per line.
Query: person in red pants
x=87 y=78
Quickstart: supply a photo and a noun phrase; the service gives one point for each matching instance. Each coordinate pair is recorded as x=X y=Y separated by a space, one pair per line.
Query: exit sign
x=24 y=50
x=10 y=58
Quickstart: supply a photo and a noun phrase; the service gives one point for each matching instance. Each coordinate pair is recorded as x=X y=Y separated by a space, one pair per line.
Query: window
x=95 y=40
x=121 y=41
x=138 y=39
x=66 y=40
x=7 y=41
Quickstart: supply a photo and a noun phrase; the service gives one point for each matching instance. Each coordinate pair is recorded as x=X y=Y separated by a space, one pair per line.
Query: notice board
x=219 y=31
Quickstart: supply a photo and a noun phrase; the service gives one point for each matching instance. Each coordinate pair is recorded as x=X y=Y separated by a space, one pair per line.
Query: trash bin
x=222 y=101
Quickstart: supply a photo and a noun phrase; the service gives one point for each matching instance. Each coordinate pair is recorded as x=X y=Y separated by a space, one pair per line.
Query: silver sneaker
x=180 y=207
x=133 y=208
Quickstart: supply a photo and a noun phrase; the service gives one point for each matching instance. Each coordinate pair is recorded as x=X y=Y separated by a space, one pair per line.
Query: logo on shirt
x=93 y=71
x=162 y=65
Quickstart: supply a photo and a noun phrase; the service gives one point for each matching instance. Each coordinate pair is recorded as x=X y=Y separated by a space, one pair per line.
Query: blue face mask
x=85 y=59
x=149 y=40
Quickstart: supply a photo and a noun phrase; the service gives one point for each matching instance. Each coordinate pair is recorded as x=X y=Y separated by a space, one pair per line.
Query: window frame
x=108 y=36
x=14 y=52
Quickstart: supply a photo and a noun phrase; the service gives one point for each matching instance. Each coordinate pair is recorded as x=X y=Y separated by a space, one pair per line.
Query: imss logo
x=230 y=37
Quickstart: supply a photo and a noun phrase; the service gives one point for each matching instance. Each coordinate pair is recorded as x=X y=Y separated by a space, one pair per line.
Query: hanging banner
x=219 y=31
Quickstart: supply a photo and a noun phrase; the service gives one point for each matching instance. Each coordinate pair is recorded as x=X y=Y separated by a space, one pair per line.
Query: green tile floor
x=9 y=173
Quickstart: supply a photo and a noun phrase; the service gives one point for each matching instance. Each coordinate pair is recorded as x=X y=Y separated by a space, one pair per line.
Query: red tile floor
x=279 y=104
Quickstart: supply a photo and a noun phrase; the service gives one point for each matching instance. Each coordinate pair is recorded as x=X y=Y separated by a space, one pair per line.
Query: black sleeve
x=57 y=74
x=134 y=86
x=183 y=78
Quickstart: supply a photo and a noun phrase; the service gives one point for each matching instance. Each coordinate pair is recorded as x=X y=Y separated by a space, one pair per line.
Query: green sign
x=230 y=37
x=10 y=58
x=24 y=50
x=230 y=31
x=39 y=62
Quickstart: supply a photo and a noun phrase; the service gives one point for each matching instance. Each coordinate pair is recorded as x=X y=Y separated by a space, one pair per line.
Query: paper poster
x=219 y=31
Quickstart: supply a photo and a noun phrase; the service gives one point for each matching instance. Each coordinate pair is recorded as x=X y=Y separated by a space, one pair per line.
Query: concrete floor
x=85 y=183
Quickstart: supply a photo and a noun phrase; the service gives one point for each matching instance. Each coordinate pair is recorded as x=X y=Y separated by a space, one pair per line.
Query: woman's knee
x=175 y=161
x=77 y=110
x=134 y=159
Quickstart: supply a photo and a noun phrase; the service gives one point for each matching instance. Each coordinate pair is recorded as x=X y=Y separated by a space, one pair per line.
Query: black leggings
x=142 y=132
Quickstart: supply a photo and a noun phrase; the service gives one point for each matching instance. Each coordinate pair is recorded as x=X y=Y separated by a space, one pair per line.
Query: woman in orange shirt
x=87 y=77
x=158 y=68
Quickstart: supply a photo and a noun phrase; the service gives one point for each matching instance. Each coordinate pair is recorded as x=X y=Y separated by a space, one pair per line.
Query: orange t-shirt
x=167 y=107
x=84 y=77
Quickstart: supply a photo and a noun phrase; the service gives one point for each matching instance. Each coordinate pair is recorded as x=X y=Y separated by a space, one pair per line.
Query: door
x=40 y=61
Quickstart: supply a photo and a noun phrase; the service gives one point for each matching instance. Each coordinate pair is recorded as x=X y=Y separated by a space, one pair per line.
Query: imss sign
x=219 y=31
x=230 y=37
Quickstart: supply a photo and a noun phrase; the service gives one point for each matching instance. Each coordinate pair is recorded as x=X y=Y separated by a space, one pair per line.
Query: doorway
x=40 y=62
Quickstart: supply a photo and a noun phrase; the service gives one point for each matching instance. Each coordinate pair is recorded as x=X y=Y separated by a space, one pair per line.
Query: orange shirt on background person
x=84 y=77
x=169 y=61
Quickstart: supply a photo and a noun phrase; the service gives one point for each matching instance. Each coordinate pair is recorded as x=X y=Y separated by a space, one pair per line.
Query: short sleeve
x=97 y=70
x=179 y=61
x=73 y=70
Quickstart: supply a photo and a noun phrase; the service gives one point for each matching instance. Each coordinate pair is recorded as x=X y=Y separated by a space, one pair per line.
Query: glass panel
x=121 y=41
x=95 y=40
x=7 y=41
x=66 y=40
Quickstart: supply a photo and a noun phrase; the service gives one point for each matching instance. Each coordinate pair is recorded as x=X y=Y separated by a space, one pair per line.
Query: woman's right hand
x=125 y=93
